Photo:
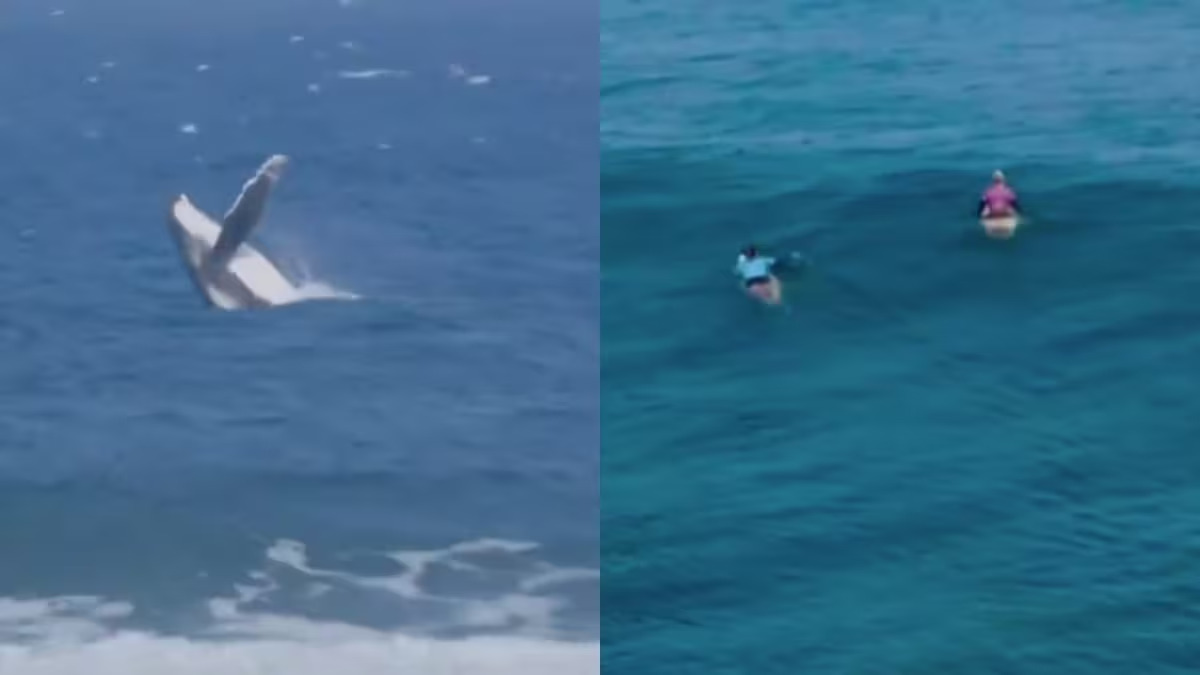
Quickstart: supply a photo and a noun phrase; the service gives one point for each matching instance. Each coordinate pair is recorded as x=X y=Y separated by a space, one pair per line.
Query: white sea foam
x=299 y=647
x=84 y=634
x=372 y=74
x=458 y=72
x=322 y=290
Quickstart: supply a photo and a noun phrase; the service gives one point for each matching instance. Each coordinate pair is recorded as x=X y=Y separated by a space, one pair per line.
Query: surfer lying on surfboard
x=757 y=273
x=999 y=200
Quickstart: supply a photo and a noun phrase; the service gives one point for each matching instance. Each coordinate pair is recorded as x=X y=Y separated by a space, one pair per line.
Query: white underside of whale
x=250 y=278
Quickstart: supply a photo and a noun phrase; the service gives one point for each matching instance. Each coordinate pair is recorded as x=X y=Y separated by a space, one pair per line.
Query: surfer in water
x=756 y=271
x=999 y=200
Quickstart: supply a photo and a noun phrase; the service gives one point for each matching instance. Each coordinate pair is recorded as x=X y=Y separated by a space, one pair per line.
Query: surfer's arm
x=741 y=262
x=791 y=261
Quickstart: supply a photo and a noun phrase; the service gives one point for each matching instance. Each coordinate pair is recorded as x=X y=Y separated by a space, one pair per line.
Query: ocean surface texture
x=405 y=483
x=949 y=454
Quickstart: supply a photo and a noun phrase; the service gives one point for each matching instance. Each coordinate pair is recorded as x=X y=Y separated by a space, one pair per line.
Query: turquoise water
x=948 y=454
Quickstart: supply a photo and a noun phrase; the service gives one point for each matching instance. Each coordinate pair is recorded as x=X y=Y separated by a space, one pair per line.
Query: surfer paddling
x=999 y=212
x=757 y=274
x=998 y=200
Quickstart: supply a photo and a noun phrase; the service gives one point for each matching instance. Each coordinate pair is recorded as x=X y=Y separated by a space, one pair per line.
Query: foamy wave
x=302 y=648
x=78 y=634
x=522 y=606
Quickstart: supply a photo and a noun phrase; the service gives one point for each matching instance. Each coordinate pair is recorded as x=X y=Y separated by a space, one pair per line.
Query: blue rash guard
x=754 y=269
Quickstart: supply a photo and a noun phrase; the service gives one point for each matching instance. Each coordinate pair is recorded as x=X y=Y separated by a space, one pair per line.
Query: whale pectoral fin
x=247 y=210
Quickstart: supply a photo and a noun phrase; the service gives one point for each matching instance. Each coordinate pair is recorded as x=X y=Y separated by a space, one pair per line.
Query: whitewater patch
x=372 y=74
x=511 y=627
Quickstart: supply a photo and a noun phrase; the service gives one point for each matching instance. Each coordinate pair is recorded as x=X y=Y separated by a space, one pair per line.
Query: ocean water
x=948 y=454
x=405 y=483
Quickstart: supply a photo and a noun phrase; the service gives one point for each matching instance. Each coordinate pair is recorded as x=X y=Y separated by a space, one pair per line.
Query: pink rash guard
x=1000 y=200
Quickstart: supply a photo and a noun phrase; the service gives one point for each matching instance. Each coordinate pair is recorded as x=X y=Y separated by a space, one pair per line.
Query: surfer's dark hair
x=750 y=251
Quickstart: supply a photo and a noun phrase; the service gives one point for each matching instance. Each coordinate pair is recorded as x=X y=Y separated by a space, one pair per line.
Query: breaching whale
x=227 y=270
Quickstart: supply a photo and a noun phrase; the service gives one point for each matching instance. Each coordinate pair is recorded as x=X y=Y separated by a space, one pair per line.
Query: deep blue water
x=948 y=454
x=171 y=471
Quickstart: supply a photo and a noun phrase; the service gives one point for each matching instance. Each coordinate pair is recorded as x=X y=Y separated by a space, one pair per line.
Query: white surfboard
x=1002 y=227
